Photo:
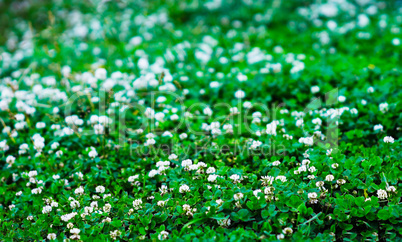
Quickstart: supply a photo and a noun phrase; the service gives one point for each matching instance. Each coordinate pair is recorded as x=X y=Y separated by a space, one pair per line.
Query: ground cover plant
x=200 y=120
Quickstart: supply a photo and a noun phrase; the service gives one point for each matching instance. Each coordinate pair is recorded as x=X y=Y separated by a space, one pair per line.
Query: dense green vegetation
x=200 y=120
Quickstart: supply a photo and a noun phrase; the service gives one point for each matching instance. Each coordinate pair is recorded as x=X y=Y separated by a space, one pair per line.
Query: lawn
x=219 y=120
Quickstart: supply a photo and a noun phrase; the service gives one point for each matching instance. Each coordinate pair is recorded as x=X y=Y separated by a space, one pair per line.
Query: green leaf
x=383 y=214
x=116 y=223
x=264 y=214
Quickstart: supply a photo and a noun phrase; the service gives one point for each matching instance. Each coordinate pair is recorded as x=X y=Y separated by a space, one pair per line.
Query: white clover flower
x=235 y=178
x=40 y=125
x=186 y=207
x=309 y=141
x=211 y=170
x=4 y=146
x=160 y=164
x=224 y=222
x=150 y=136
x=300 y=123
x=70 y=225
x=247 y=104
x=75 y=233
x=341 y=99
x=161 y=203
x=84 y=215
x=207 y=111
x=306 y=162
x=74 y=204
x=382 y=194
x=239 y=94
x=100 y=189
x=23 y=148
x=51 y=236
x=46 y=209
x=107 y=207
x=389 y=139
x=315 y=89
x=184 y=188
x=193 y=167
x=256 y=192
x=271 y=128
x=79 y=191
x=133 y=178
x=313 y=197
x=241 y=77
x=214 y=125
x=36 y=190
x=99 y=129
x=167 y=134
x=212 y=178
x=163 y=189
x=276 y=163
x=329 y=178
x=269 y=190
x=159 y=116
x=106 y=220
x=101 y=73
x=114 y=234
x=38 y=145
x=163 y=235
x=391 y=189
x=341 y=181
x=317 y=121
x=59 y=153
x=186 y=164
x=267 y=180
x=383 y=107
x=281 y=178
x=280 y=236
x=319 y=184
x=255 y=144
x=94 y=204
x=378 y=127
x=19 y=117
x=153 y=173
x=287 y=230
x=69 y=216
x=238 y=196
x=174 y=117
x=137 y=204
x=183 y=136
x=10 y=160
x=150 y=142
x=172 y=157
x=354 y=111
x=93 y=153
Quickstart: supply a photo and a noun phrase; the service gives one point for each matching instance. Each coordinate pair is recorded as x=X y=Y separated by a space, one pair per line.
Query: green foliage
x=192 y=120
